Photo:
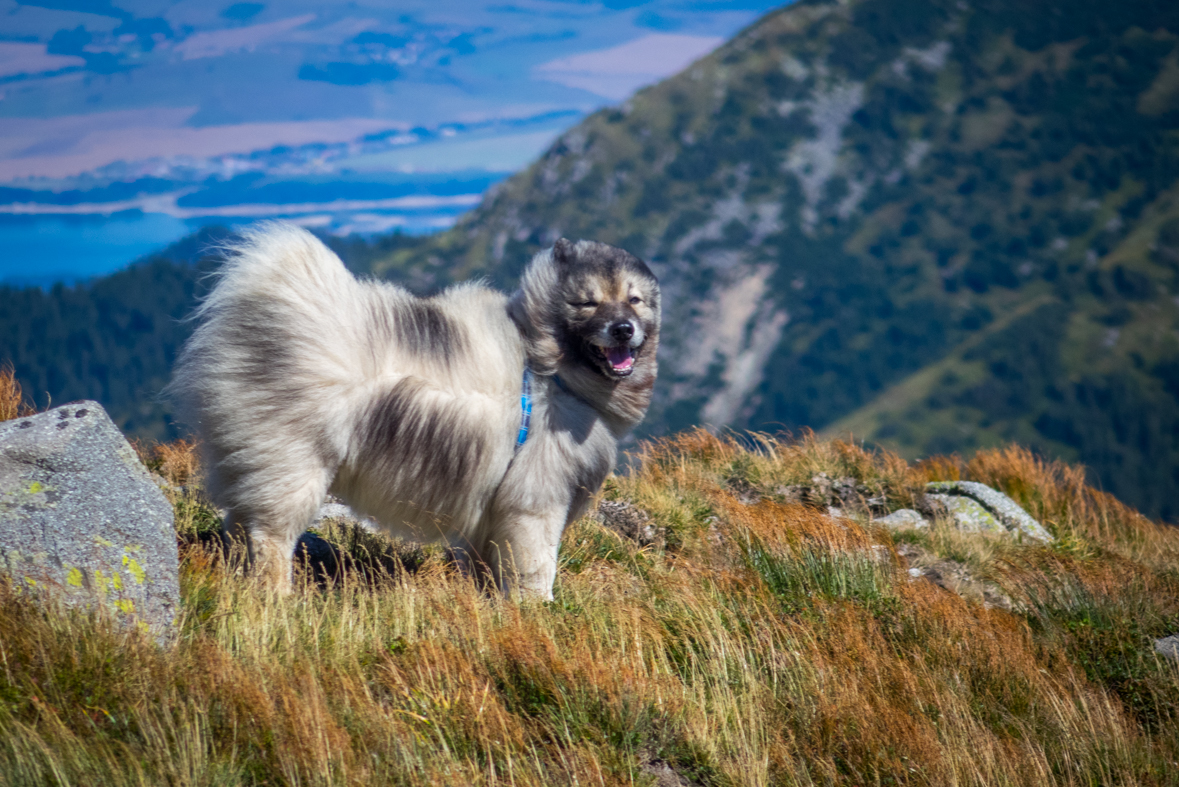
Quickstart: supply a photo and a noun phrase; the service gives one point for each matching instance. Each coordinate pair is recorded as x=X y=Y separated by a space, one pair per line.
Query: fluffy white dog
x=483 y=421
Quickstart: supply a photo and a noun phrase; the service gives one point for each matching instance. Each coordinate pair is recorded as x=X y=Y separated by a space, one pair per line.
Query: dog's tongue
x=620 y=357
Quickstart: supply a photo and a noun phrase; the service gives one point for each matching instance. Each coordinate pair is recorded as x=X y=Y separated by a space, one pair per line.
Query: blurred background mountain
x=937 y=226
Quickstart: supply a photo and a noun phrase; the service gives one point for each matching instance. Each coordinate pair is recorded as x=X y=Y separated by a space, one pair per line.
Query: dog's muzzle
x=618 y=345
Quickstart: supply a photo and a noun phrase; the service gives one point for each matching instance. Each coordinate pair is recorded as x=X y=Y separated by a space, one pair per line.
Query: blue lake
x=44 y=248
x=41 y=250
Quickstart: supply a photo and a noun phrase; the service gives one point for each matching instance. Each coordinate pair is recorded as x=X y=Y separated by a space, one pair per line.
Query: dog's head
x=590 y=304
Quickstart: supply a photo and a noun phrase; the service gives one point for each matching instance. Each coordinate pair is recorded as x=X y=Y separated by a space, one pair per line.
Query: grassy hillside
x=753 y=640
x=848 y=193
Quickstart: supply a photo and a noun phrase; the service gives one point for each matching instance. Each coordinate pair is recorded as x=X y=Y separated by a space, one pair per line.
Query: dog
x=472 y=418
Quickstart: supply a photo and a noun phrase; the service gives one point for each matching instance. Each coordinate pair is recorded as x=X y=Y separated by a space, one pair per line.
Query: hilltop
x=742 y=633
x=936 y=225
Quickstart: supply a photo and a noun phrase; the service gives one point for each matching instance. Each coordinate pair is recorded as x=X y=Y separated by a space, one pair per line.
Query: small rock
x=844 y=493
x=1168 y=646
x=793 y=493
x=81 y=517
x=905 y=517
x=745 y=492
x=664 y=774
x=999 y=512
x=333 y=508
x=952 y=576
x=845 y=488
x=629 y=521
x=714 y=533
x=967 y=514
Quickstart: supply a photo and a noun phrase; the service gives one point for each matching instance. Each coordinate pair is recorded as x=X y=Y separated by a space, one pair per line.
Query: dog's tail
x=280 y=262
x=278 y=345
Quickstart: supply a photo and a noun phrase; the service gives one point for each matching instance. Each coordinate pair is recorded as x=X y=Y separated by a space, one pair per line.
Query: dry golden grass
x=12 y=400
x=767 y=643
x=178 y=461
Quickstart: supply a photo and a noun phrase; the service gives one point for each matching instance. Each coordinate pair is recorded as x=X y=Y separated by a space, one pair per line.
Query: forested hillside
x=940 y=225
x=114 y=339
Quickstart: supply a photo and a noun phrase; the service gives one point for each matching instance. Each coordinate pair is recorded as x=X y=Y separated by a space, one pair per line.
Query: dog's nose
x=622 y=331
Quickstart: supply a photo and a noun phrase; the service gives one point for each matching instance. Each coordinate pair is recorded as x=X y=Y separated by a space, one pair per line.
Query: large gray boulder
x=80 y=517
x=976 y=507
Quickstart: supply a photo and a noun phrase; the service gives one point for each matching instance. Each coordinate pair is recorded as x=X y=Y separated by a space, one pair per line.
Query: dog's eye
x=635 y=300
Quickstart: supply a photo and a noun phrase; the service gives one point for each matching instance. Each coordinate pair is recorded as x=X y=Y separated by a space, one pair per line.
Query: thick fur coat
x=303 y=380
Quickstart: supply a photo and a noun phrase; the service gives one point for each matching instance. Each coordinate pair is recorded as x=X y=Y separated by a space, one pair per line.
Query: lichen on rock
x=980 y=508
x=81 y=518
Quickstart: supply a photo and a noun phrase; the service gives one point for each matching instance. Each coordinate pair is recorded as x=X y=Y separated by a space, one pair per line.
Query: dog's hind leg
x=271 y=527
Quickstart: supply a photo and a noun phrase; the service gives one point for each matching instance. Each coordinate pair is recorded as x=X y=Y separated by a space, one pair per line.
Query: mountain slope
x=845 y=194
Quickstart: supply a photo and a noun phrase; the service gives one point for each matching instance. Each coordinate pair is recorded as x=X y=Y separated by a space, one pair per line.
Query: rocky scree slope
x=941 y=225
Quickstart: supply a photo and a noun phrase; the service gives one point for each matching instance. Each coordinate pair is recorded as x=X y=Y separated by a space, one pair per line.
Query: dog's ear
x=563 y=251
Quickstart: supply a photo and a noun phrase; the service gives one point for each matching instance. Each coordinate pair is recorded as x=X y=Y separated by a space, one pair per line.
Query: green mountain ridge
x=844 y=194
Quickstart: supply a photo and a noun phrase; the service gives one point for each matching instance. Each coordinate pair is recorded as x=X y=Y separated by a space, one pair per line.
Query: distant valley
x=414 y=180
x=124 y=127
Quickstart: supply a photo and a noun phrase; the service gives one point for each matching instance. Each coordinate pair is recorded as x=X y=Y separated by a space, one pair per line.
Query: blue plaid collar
x=525 y=408
x=526 y=404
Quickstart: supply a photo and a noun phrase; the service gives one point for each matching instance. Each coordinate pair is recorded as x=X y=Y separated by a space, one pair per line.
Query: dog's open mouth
x=620 y=361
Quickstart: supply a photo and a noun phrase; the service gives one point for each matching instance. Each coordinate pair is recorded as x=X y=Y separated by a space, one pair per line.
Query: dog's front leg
x=523 y=555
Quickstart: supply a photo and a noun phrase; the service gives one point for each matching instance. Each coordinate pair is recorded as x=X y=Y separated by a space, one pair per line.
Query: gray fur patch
x=426 y=442
x=422 y=329
x=268 y=351
x=591 y=258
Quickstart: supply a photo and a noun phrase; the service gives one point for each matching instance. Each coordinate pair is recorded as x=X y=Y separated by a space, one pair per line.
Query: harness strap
x=525 y=408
